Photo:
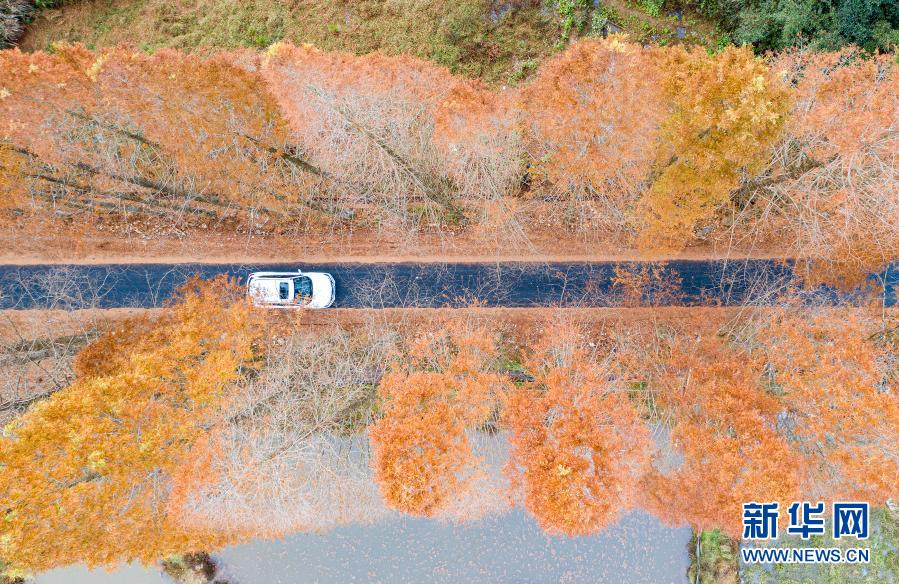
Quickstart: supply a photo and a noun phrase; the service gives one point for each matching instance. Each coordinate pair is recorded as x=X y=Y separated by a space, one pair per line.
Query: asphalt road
x=512 y=284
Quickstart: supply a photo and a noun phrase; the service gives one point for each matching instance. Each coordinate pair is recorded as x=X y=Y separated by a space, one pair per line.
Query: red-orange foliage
x=834 y=180
x=667 y=144
x=804 y=408
x=725 y=426
x=367 y=121
x=111 y=352
x=579 y=446
x=439 y=391
x=173 y=133
x=476 y=132
x=836 y=376
x=591 y=120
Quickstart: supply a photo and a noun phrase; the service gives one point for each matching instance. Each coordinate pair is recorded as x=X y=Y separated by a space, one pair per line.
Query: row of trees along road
x=212 y=423
x=659 y=147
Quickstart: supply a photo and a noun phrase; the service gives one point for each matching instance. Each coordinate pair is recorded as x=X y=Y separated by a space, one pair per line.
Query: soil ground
x=360 y=246
x=521 y=319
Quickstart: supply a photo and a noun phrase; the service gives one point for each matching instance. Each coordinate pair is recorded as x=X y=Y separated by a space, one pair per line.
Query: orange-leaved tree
x=591 y=120
x=800 y=406
x=835 y=373
x=170 y=134
x=579 y=445
x=368 y=122
x=725 y=112
x=439 y=389
x=87 y=473
x=833 y=181
x=475 y=131
x=724 y=426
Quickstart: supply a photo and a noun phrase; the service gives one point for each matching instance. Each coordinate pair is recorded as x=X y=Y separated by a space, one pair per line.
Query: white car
x=291 y=289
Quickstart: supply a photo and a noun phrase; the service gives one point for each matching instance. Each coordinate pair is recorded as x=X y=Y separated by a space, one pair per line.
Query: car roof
x=267 y=288
x=275 y=275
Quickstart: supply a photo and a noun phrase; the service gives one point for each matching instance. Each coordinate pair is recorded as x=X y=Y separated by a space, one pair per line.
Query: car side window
x=283 y=290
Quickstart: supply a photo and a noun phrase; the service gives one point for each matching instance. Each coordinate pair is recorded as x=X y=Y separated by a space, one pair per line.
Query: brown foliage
x=170 y=134
x=835 y=373
x=165 y=443
x=724 y=427
x=833 y=182
x=110 y=352
x=618 y=141
x=476 y=131
x=367 y=122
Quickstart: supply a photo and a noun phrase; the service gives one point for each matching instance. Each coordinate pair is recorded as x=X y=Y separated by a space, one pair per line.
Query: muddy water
x=506 y=548
x=509 y=548
x=380 y=545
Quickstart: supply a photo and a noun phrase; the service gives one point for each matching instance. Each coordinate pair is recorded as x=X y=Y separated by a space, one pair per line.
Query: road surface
x=510 y=284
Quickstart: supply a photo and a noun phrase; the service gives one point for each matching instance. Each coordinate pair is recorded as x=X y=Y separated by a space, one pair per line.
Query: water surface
x=505 y=548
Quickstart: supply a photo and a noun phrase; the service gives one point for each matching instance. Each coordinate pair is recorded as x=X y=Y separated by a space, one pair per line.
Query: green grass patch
x=500 y=44
x=718 y=557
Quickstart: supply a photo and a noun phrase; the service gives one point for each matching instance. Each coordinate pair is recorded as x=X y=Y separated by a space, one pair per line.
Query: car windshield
x=302 y=287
